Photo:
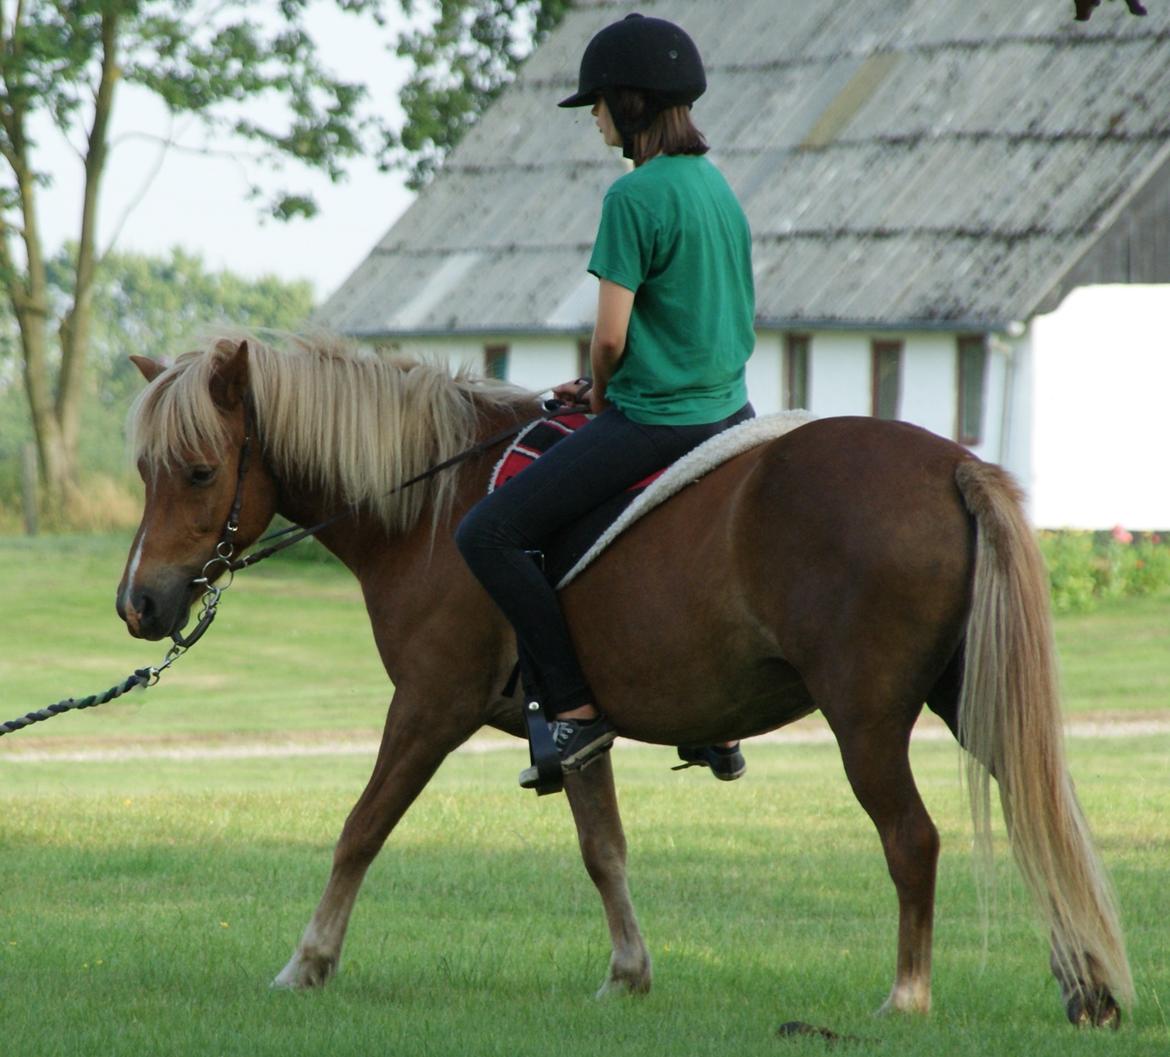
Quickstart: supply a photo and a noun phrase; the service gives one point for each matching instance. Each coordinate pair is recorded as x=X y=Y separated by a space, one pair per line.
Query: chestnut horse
x=855 y=566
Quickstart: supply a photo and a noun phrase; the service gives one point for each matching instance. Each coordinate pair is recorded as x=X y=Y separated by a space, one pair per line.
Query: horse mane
x=348 y=419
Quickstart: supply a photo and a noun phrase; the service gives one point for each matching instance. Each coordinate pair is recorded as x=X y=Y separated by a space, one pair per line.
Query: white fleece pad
x=695 y=464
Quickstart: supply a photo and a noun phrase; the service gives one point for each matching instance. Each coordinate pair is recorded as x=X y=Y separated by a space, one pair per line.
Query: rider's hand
x=574 y=392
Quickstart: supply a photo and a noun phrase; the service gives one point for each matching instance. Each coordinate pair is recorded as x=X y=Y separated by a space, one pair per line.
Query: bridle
x=224 y=561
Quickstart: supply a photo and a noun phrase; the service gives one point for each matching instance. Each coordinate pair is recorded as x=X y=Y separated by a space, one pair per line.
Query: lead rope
x=144 y=678
x=141 y=678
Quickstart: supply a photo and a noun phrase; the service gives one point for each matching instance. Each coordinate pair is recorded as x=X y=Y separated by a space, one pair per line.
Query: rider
x=673 y=331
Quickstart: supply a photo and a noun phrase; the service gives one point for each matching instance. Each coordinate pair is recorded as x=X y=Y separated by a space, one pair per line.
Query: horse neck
x=361 y=541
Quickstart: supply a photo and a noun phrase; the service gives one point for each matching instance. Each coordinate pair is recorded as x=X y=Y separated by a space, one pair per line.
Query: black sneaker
x=726 y=764
x=581 y=741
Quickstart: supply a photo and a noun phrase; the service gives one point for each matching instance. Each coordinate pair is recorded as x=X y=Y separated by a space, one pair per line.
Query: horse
x=859 y=567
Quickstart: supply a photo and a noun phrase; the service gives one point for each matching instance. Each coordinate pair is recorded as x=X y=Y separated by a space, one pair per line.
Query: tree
x=463 y=58
x=159 y=306
x=65 y=59
x=156 y=306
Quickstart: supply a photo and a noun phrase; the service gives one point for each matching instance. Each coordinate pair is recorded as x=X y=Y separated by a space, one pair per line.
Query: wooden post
x=28 y=480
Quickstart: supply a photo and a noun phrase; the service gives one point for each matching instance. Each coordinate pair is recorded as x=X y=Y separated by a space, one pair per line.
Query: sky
x=153 y=201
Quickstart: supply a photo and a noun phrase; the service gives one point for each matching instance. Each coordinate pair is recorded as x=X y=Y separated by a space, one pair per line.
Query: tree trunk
x=76 y=326
x=56 y=415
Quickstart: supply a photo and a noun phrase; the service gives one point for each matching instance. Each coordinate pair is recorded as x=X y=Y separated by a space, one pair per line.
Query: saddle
x=571 y=544
x=575 y=547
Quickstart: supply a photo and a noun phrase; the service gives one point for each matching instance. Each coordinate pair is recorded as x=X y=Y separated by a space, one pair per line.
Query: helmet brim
x=579 y=99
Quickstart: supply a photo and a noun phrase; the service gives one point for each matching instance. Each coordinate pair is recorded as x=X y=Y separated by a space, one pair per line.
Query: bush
x=1087 y=567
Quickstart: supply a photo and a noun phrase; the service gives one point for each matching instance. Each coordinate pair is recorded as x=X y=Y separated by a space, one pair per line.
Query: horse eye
x=201 y=476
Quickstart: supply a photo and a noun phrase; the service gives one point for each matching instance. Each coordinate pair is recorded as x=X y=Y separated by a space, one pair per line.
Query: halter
x=224 y=554
x=225 y=561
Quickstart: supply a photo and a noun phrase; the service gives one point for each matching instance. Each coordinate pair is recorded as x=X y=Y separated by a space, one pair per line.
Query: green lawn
x=149 y=904
x=150 y=901
x=291 y=651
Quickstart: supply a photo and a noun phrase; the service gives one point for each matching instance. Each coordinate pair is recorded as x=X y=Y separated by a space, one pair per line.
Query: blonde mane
x=338 y=416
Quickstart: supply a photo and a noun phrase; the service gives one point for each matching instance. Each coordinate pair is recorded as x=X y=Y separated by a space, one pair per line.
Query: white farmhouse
x=960 y=211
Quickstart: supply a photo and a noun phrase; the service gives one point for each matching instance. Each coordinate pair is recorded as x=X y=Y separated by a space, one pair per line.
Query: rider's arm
x=614 y=304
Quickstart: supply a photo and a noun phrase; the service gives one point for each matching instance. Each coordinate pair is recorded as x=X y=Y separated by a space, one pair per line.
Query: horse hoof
x=304 y=973
x=1096 y=1009
x=617 y=987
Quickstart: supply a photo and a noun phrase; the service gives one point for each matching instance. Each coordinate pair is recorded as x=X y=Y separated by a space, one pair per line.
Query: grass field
x=150 y=900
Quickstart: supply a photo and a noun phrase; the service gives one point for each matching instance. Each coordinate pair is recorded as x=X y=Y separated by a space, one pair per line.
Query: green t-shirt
x=674 y=233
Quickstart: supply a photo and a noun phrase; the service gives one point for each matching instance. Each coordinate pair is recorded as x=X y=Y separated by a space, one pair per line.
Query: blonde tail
x=1010 y=723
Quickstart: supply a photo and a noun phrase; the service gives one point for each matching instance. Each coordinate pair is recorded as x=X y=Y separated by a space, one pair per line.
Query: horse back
x=844 y=543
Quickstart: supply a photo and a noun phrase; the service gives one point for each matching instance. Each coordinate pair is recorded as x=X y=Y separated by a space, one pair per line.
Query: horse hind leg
x=593 y=801
x=877 y=763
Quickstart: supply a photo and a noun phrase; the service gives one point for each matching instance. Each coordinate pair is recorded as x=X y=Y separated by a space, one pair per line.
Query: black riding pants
x=579 y=473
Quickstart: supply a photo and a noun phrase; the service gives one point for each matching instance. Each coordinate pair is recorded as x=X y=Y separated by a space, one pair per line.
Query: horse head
x=191 y=427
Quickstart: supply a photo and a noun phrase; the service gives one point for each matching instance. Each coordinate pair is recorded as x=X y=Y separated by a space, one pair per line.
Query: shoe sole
x=589 y=752
x=730 y=776
x=530 y=776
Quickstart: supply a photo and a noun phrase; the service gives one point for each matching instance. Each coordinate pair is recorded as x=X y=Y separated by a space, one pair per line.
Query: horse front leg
x=410 y=753
x=593 y=801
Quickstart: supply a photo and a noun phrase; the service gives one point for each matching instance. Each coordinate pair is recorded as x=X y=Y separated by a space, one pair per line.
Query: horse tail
x=1010 y=723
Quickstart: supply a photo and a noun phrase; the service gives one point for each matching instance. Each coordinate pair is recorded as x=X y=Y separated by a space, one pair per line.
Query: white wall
x=840 y=379
x=765 y=374
x=930 y=390
x=539 y=363
x=534 y=362
x=1100 y=430
x=839 y=374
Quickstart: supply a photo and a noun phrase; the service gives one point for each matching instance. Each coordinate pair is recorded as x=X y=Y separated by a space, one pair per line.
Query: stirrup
x=546 y=774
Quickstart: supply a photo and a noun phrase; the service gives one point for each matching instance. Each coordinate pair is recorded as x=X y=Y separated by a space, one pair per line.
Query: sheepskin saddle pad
x=576 y=547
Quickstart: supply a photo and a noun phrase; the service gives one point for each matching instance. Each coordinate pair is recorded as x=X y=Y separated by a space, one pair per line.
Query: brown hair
x=671 y=131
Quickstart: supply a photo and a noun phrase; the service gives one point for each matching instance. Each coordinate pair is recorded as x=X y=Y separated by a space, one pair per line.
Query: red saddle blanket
x=535 y=439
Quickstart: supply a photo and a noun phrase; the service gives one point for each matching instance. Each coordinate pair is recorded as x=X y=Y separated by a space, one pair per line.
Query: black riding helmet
x=651 y=55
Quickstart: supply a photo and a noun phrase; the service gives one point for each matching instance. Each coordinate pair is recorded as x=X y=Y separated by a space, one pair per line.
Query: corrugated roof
x=921 y=163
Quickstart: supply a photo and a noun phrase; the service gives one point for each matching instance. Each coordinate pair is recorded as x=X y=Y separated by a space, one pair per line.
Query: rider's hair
x=671 y=132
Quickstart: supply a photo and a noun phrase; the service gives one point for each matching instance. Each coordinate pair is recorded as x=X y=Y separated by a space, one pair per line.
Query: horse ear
x=230 y=381
x=150 y=369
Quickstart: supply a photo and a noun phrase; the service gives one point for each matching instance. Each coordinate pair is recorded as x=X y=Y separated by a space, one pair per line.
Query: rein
x=224 y=561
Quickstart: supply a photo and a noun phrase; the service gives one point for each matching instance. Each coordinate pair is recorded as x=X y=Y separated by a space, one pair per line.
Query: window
x=495 y=361
x=796 y=371
x=887 y=378
x=972 y=370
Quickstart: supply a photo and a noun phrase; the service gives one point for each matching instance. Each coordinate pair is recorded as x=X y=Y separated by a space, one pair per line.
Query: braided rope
x=141 y=678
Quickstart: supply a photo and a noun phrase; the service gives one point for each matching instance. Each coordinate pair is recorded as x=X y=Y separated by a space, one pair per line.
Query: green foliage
x=215 y=63
x=149 y=306
x=464 y=55
x=1086 y=567
x=247 y=74
x=211 y=62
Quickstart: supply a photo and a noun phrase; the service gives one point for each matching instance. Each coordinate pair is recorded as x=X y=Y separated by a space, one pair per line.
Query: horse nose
x=138 y=609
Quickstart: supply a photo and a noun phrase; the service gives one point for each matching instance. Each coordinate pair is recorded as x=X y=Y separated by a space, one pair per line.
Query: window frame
x=797 y=368
x=496 y=356
x=965 y=344
x=879 y=349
